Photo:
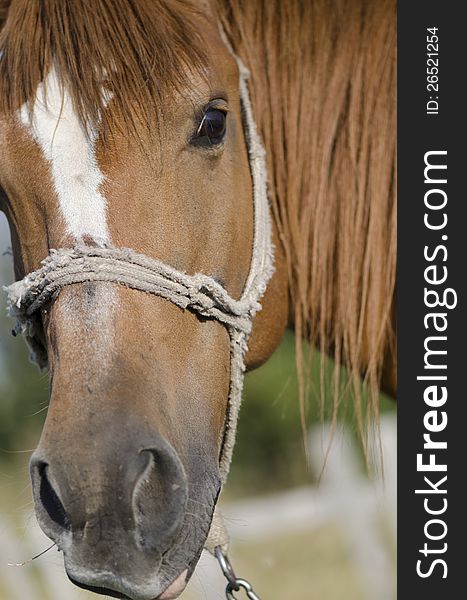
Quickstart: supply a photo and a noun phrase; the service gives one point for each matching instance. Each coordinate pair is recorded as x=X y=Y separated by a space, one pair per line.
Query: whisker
x=16 y=451
x=40 y=410
x=24 y=506
x=31 y=559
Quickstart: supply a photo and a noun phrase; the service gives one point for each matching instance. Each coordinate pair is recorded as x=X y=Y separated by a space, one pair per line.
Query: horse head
x=131 y=134
x=133 y=180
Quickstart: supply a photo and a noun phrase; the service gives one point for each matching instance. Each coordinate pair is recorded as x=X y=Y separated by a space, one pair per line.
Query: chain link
x=235 y=584
x=241 y=584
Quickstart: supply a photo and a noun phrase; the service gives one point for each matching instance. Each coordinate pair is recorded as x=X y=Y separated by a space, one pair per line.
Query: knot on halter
x=199 y=293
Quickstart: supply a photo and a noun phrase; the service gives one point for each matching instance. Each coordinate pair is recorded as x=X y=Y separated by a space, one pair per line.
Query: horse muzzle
x=115 y=521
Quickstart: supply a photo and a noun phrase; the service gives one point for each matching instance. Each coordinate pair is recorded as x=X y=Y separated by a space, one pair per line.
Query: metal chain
x=241 y=583
x=235 y=584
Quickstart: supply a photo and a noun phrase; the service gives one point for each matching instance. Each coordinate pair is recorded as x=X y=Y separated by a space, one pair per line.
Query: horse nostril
x=48 y=497
x=138 y=500
x=159 y=498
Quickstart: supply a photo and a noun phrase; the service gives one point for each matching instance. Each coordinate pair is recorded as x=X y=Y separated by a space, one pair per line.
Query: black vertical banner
x=432 y=272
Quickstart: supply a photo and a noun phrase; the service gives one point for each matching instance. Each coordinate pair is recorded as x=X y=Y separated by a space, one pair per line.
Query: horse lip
x=105 y=584
x=175 y=588
x=170 y=593
x=98 y=590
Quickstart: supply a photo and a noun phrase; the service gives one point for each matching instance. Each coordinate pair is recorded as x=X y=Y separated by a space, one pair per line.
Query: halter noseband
x=198 y=292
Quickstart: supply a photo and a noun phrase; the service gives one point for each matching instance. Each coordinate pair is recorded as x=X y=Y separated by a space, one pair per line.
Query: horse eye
x=212 y=128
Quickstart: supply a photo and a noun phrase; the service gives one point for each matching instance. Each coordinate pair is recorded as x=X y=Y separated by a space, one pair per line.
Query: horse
x=138 y=137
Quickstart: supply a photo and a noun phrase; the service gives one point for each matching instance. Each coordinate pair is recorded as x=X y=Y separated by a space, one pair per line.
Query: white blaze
x=71 y=154
x=76 y=177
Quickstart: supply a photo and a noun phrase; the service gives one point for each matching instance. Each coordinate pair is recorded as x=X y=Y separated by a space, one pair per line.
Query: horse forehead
x=70 y=152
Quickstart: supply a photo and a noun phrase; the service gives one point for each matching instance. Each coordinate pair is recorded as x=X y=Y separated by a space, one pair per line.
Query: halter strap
x=198 y=292
x=124 y=266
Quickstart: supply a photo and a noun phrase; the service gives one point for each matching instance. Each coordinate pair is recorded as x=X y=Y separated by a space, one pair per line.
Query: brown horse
x=122 y=126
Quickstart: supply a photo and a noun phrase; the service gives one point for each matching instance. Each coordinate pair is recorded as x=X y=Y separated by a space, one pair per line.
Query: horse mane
x=325 y=108
x=135 y=50
x=324 y=95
